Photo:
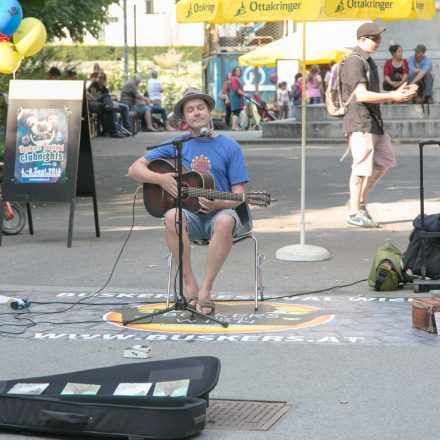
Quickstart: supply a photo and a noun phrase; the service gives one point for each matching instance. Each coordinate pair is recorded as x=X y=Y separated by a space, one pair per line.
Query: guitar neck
x=214 y=195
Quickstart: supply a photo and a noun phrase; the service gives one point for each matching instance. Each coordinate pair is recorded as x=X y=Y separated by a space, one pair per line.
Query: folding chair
x=244 y=233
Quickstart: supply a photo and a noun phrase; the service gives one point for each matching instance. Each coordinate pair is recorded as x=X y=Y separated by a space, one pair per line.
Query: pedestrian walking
x=362 y=124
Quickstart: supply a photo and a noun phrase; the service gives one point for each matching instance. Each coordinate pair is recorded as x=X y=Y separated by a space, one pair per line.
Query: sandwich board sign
x=48 y=155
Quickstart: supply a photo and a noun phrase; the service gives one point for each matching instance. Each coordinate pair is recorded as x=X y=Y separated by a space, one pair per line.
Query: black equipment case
x=425 y=235
x=108 y=416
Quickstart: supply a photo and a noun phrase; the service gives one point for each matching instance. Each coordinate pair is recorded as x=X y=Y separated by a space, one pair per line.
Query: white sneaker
x=362 y=221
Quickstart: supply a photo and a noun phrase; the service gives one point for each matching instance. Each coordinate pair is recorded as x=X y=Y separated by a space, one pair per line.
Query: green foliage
x=75 y=16
x=2 y=148
x=184 y=70
x=72 y=53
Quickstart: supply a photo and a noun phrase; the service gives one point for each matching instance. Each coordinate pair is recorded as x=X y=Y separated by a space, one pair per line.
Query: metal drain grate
x=245 y=415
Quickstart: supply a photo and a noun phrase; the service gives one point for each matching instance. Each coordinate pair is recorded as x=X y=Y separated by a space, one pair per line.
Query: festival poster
x=41 y=149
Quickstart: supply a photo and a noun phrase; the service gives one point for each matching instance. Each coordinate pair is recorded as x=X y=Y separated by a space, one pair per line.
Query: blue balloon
x=11 y=15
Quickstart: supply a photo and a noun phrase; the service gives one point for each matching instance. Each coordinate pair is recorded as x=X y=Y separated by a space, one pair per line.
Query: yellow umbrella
x=190 y=11
x=244 y=11
x=420 y=10
x=289 y=48
x=386 y=10
x=268 y=54
x=238 y=11
x=329 y=55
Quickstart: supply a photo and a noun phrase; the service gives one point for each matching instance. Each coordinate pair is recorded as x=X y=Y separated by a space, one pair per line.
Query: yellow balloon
x=30 y=37
x=10 y=58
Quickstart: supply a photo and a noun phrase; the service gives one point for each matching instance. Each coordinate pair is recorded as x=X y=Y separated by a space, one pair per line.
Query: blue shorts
x=201 y=226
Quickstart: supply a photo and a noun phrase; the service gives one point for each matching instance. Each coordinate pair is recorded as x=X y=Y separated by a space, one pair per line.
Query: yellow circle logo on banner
x=30 y=37
x=242 y=318
x=10 y=58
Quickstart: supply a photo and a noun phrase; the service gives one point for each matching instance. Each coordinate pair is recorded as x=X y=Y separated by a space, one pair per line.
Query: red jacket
x=388 y=67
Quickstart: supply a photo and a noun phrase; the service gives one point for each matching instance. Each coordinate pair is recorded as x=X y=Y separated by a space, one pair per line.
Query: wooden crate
x=423 y=313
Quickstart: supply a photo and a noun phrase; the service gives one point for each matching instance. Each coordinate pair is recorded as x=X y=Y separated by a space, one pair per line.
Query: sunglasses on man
x=375 y=38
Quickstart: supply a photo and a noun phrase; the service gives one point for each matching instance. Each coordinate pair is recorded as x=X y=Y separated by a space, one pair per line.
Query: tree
x=68 y=17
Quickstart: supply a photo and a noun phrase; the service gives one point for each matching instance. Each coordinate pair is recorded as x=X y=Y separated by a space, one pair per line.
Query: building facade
x=155 y=24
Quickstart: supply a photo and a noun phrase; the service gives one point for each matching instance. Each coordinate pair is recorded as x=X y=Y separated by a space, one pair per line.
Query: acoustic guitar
x=194 y=185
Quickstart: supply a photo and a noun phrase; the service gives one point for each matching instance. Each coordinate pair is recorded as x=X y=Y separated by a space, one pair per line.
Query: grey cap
x=192 y=93
x=420 y=48
x=369 y=30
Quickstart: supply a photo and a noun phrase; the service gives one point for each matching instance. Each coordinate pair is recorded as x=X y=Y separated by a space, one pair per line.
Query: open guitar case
x=108 y=416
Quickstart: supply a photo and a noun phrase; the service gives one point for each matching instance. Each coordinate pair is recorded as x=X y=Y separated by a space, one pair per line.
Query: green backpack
x=386 y=272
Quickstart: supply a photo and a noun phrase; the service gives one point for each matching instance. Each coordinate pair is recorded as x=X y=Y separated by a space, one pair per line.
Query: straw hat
x=189 y=94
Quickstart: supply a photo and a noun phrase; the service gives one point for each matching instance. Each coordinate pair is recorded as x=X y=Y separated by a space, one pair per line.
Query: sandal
x=191 y=301
x=211 y=304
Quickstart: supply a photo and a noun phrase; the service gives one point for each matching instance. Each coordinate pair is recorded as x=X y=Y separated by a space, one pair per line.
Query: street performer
x=217 y=220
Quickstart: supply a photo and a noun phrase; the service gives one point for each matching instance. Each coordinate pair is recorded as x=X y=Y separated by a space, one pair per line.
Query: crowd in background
x=397 y=70
x=416 y=70
x=118 y=116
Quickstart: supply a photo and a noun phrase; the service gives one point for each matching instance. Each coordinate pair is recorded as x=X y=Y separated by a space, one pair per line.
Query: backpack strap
x=366 y=65
x=368 y=73
x=367 y=68
x=381 y=276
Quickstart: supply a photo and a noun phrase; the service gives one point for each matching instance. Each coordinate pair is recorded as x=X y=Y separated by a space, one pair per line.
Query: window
x=149 y=6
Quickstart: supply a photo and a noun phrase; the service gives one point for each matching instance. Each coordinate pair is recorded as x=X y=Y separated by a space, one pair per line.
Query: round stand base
x=302 y=252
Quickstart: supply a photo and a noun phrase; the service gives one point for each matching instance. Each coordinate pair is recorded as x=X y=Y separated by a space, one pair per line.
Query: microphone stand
x=180 y=302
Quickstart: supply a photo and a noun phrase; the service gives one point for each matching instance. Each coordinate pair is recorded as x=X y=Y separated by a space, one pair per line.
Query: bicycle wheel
x=15 y=225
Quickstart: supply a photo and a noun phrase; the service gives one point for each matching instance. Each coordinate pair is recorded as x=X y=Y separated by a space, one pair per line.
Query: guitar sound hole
x=185 y=191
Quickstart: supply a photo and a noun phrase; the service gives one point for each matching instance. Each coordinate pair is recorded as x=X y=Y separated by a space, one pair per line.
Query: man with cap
x=217 y=221
x=362 y=124
x=420 y=67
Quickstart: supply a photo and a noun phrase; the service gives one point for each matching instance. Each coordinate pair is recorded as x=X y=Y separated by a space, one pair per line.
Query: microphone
x=205 y=133
x=15 y=303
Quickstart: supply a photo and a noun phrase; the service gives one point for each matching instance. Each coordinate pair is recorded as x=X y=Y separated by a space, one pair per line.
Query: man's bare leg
x=235 y=125
x=148 y=120
x=369 y=183
x=356 y=185
x=172 y=239
x=218 y=250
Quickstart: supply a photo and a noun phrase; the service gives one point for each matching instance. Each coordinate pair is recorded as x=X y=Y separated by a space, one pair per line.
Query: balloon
x=273 y=78
x=4 y=37
x=30 y=37
x=10 y=59
x=11 y=15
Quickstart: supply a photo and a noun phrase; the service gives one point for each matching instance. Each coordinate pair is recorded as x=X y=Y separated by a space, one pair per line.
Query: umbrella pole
x=303 y=252
x=302 y=223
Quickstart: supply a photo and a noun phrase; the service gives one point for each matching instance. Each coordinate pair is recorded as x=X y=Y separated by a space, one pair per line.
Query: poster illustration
x=41 y=148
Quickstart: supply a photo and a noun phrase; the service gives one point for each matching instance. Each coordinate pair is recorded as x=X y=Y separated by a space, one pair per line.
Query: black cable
x=290 y=295
x=87 y=304
x=114 y=266
x=89 y=321
x=33 y=323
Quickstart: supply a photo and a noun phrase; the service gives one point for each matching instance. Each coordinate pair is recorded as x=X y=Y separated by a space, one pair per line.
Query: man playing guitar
x=216 y=220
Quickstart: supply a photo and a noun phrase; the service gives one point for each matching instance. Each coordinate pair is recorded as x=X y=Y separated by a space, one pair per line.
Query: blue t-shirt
x=220 y=156
x=425 y=64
